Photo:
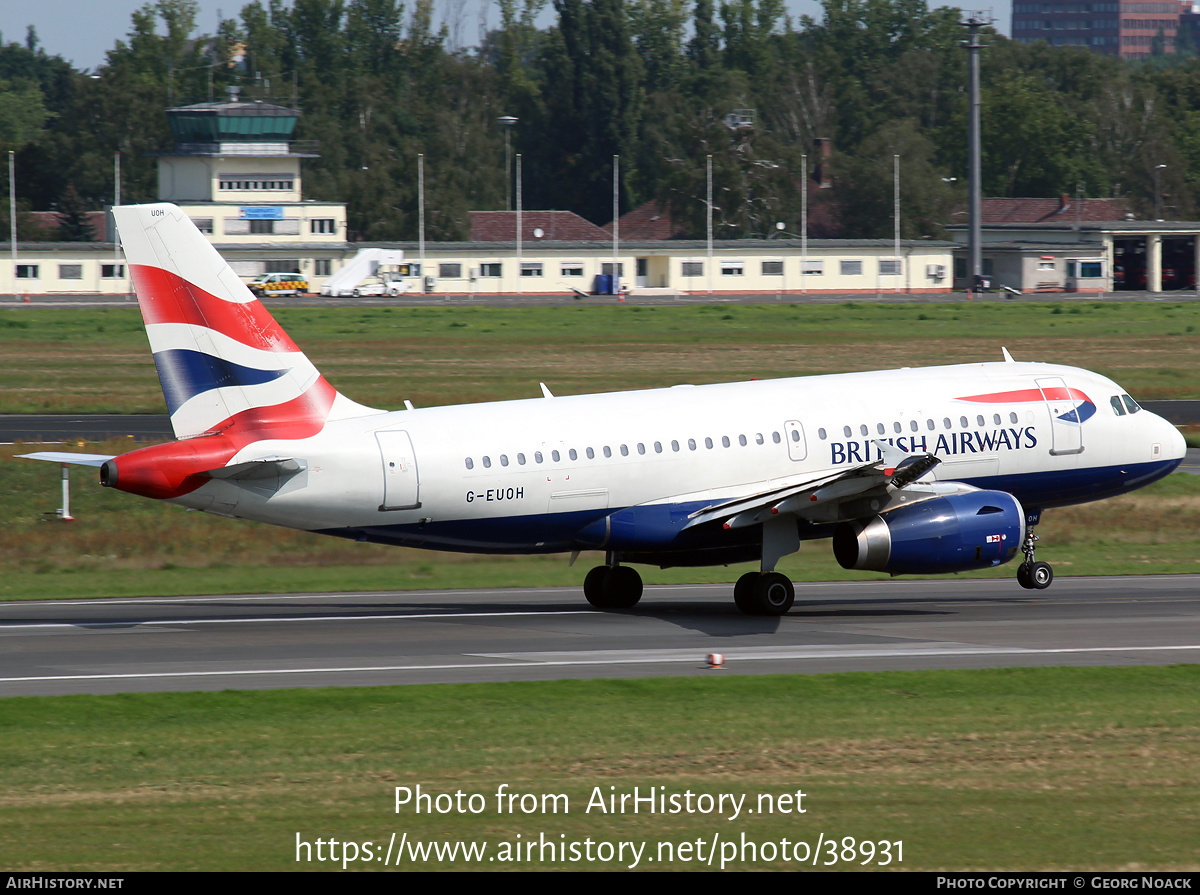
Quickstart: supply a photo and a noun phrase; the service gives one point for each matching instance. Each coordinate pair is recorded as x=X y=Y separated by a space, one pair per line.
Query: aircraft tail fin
x=223 y=361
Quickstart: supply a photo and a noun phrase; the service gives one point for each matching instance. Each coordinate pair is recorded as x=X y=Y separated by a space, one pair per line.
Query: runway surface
x=317 y=640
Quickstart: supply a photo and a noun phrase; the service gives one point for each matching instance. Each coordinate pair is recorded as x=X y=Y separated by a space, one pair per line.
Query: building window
x=262 y=227
x=607 y=268
x=889 y=267
x=70 y=271
x=572 y=269
x=772 y=268
x=693 y=268
x=489 y=270
x=282 y=265
x=733 y=268
x=323 y=225
x=112 y=271
x=852 y=268
x=813 y=267
x=254 y=182
x=204 y=225
x=531 y=268
x=322 y=267
x=450 y=271
x=27 y=271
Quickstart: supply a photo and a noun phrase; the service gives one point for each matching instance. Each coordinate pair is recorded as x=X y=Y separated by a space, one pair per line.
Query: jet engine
x=955 y=533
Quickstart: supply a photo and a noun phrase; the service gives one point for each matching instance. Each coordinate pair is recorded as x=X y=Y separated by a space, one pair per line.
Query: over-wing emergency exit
x=938 y=469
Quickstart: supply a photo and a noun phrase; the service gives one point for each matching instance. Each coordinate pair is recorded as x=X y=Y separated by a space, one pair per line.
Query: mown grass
x=1068 y=768
x=97 y=360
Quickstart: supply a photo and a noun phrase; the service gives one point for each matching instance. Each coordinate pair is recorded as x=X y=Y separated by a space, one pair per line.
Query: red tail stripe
x=165 y=297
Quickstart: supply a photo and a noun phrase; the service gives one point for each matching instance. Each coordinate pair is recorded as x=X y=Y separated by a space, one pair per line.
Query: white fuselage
x=530 y=475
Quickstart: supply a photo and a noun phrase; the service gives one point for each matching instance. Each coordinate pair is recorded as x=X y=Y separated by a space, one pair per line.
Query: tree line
x=650 y=81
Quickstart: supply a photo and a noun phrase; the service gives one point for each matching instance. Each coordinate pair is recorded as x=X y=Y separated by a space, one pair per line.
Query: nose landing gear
x=1033 y=575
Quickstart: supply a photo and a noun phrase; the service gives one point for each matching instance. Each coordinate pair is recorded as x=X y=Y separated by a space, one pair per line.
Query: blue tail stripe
x=185 y=374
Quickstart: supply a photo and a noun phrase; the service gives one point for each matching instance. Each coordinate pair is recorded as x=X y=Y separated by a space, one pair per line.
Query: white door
x=1065 y=428
x=400 y=482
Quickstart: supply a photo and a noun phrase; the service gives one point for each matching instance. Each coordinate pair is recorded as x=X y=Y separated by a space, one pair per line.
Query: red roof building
x=501 y=226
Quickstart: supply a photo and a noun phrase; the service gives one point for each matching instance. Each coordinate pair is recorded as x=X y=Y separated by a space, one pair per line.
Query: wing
x=893 y=471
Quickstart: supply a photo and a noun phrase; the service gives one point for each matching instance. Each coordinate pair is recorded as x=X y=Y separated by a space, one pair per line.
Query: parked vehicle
x=279 y=284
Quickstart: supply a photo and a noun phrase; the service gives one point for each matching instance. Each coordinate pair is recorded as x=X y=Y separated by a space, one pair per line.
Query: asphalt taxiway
x=259 y=641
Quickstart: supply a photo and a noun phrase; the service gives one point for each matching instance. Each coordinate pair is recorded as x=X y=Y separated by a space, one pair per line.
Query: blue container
x=603 y=284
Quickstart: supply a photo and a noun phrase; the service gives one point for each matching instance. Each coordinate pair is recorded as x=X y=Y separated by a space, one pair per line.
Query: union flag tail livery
x=913 y=471
x=224 y=363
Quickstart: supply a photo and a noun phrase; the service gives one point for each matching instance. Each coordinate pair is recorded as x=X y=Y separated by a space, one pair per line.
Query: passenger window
x=930 y=425
x=863 y=430
x=675 y=446
x=573 y=454
x=962 y=421
x=591 y=454
x=912 y=424
x=724 y=441
x=504 y=459
x=946 y=422
x=742 y=440
x=658 y=447
x=880 y=429
x=897 y=427
x=759 y=438
x=520 y=459
x=796 y=435
x=537 y=456
x=487 y=462
x=470 y=463
x=820 y=434
x=846 y=431
x=607 y=451
x=996 y=418
x=775 y=437
x=1012 y=418
x=708 y=443
x=1117 y=406
x=556 y=456
x=691 y=444
x=979 y=419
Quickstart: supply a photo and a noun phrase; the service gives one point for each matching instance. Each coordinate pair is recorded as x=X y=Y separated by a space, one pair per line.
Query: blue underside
x=657 y=534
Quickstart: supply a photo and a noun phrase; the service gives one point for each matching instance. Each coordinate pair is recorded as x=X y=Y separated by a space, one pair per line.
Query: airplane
x=910 y=471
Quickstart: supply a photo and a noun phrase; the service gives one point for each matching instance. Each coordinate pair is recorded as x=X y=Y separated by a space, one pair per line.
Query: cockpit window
x=1130 y=404
x=1117 y=406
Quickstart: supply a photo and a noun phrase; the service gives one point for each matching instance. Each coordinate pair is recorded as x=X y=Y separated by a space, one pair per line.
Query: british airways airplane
x=911 y=471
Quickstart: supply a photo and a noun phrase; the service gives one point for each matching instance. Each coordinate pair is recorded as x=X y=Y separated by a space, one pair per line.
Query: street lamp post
x=1157 y=193
x=507 y=122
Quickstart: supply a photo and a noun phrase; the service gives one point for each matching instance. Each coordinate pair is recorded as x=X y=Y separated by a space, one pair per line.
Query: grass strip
x=1053 y=768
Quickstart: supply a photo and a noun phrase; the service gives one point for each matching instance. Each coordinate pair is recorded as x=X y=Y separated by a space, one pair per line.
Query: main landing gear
x=613 y=587
x=1033 y=575
x=764 y=593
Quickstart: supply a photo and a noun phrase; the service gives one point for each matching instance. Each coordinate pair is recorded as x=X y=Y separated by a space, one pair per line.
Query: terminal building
x=236 y=171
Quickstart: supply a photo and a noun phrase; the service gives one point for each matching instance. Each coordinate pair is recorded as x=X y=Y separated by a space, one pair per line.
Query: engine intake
x=975 y=530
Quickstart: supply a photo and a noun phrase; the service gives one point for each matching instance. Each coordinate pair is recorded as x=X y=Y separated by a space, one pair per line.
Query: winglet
x=1007 y=357
x=545 y=391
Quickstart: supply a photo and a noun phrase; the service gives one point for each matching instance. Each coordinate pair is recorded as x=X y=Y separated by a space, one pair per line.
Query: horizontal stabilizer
x=267 y=467
x=68 y=457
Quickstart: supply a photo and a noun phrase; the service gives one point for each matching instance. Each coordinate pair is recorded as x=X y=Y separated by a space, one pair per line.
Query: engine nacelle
x=973 y=530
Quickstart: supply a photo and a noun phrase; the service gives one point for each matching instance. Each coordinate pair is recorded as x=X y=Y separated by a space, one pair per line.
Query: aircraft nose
x=1175 y=446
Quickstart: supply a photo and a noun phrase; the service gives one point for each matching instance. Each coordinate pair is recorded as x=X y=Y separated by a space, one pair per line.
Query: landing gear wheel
x=1023 y=576
x=743 y=593
x=356 y=293
x=622 y=588
x=1040 y=575
x=593 y=586
x=773 y=594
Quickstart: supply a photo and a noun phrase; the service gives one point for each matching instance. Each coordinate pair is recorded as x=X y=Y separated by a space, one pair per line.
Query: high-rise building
x=1129 y=29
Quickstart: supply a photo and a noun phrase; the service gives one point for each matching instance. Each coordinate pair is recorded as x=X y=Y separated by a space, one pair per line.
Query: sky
x=82 y=31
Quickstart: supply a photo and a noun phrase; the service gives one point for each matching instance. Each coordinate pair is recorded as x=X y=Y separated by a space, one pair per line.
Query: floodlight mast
x=974 y=189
